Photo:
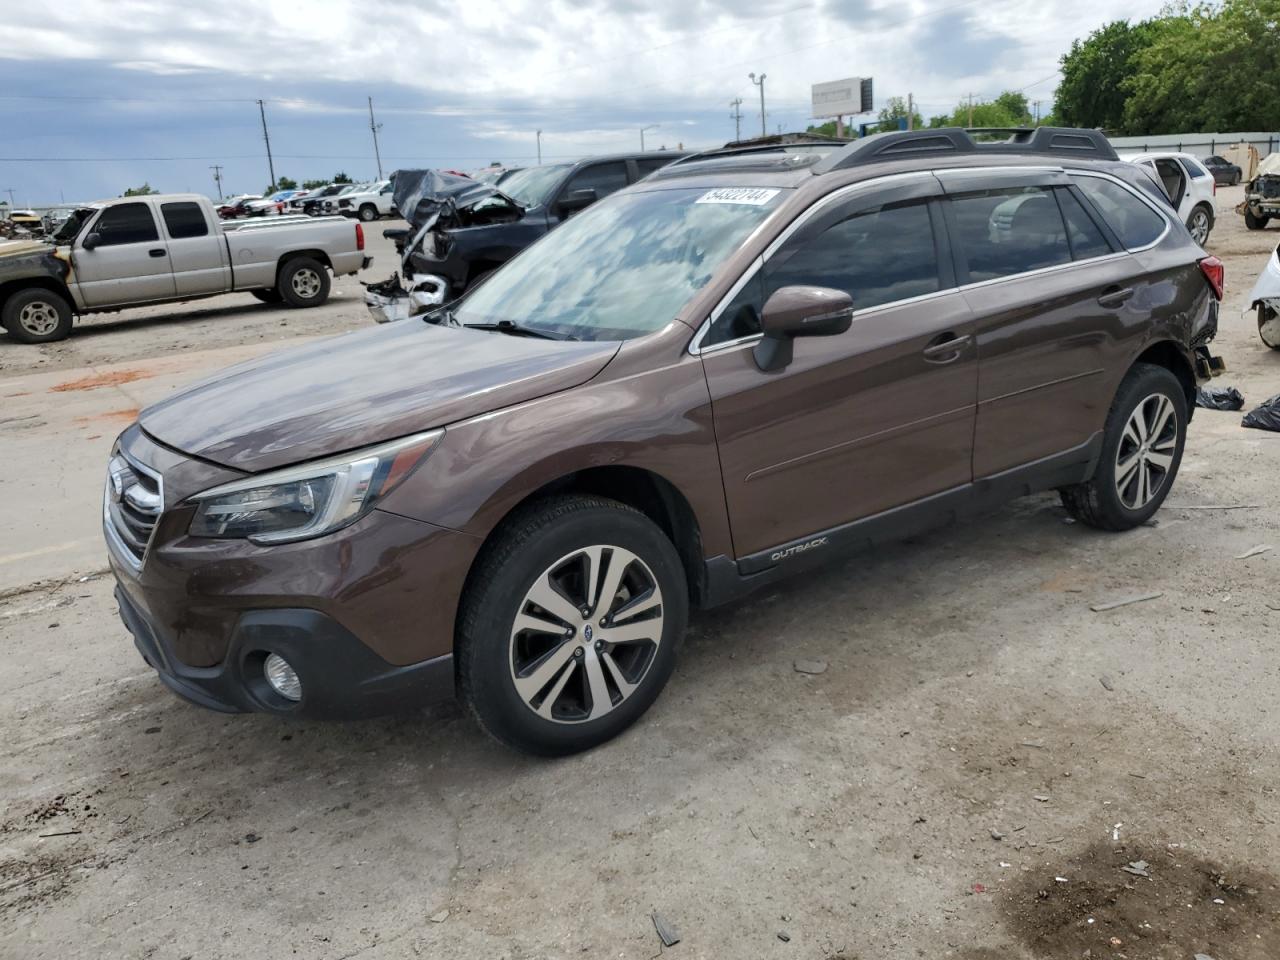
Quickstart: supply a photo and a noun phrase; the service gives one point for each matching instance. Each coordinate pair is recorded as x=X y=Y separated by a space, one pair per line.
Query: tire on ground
x=368 y=212
x=270 y=295
x=303 y=282
x=37 y=315
x=1269 y=326
x=1254 y=222
x=521 y=551
x=1098 y=502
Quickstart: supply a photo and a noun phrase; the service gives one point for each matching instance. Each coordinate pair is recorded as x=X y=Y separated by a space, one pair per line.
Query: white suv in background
x=368 y=204
x=1190 y=186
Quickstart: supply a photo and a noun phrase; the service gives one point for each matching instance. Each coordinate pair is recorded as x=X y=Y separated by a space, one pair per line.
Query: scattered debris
x=1203 y=956
x=59 y=833
x=1043 y=798
x=442 y=916
x=1255 y=551
x=1219 y=398
x=251 y=838
x=979 y=888
x=1115 y=832
x=1036 y=744
x=666 y=932
x=1061 y=880
x=152 y=730
x=1124 y=602
x=1106 y=682
x=784 y=936
x=1215 y=506
x=813 y=667
x=996 y=834
x=1266 y=416
x=1138 y=868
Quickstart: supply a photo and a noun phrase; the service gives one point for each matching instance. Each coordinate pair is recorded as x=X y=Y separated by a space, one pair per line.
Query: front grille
x=131 y=505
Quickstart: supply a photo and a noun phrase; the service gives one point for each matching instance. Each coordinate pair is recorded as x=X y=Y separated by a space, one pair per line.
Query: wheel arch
x=1173 y=357
x=10 y=287
x=1207 y=207
x=638 y=487
x=318 y=255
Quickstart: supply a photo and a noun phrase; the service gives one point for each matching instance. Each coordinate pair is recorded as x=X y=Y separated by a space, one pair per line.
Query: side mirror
x=91 y=241
x=577 y=200
x=799 y=312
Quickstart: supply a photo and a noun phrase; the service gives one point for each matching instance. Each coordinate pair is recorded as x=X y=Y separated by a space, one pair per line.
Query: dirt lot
x=969 y=778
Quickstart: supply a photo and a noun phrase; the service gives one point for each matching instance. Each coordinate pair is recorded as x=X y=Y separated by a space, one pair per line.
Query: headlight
x=309 y=500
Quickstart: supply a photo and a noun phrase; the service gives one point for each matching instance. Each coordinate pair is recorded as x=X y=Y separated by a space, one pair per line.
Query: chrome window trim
x=114 y=541
x=695 y=344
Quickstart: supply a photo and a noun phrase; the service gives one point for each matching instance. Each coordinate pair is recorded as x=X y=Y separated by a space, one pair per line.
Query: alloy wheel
x=585 y=634
x=306 y=283
x=1199 y=226
x=1146 y=451
x=38 y=318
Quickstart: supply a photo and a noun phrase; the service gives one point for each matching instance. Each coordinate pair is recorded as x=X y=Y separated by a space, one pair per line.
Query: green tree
x=1094 y=74
x=896 y=109
x=1007 y=110
x=286 y=183
x=314 y=184
x=341 y=177
x=142 y=191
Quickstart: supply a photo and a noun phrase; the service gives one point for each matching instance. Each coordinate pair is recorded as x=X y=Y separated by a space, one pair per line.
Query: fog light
x=282 y=677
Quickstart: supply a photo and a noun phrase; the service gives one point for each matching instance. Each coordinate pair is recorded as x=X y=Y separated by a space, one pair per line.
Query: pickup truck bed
x=168 y=247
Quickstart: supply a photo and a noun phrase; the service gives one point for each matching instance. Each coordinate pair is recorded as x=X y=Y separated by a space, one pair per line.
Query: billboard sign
x=842 y=98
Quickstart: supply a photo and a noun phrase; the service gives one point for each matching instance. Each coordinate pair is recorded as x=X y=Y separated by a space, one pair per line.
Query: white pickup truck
x=167 y=247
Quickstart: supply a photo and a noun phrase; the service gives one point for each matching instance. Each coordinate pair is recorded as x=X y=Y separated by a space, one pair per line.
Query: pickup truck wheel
x=570 y=623
x=368 y=212
x=1254 y=222
x=271 y=295
x=37 y=316
x=303 y=282
x=1141 y=450
x=1269 y=326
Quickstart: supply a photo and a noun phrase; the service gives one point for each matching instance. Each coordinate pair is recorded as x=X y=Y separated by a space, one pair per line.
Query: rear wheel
x=1253 y=221
x=303 y=282
x=37 y=316
x=1141 y=450
x=569 y=626
x=271 y=295
x=1269 y=326
x=1200 y=223
x=368 y=212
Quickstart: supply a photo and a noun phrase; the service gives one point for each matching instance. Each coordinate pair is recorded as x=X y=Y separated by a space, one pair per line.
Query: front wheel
x=1141 y=449
x=303 y=282
x=37 y=316
x=1269 y=326
x=1253 y=221
x=569 y=627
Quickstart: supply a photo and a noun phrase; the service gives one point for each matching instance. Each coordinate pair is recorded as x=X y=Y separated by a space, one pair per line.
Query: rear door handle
x=157 y=253
x=945 y=348
x=1114 y=296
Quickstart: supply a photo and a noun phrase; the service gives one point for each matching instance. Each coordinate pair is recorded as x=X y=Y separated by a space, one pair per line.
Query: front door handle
x=945 y=348
x=1114 y=296
x=159 y=252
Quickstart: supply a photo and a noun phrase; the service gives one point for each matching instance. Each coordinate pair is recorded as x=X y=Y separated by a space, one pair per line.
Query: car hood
x=363 y=388
x=420 y=195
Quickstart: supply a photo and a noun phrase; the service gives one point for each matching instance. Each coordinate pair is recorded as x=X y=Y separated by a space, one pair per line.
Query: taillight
x=360 y=239
x=1215 y=273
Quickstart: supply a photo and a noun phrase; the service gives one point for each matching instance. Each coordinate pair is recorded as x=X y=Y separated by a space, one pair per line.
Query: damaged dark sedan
x=461 y=230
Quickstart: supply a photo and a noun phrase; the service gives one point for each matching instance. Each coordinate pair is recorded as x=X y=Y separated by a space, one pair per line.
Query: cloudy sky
x=96 y=97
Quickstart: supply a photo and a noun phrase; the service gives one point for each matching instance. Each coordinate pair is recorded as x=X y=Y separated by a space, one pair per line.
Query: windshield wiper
x=511 y=327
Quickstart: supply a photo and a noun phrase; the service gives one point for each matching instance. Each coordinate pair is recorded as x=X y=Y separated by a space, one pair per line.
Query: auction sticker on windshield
x=751 y=196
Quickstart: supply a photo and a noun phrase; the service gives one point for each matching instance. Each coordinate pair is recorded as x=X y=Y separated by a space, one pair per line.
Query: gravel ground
x=977 y=761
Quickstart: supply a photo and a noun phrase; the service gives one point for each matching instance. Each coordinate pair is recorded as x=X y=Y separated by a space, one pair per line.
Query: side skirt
x=726 y=580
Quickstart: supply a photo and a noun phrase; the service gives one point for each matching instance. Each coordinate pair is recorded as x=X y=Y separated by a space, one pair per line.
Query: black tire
x=525 y=551
x=368 y=212
x=1098 y=501
x=1198 y=213
x=1254 y=222
x=271 y=295
x=1235 y=180
x=303 y=282
x=37 y=315
x=1268 y=326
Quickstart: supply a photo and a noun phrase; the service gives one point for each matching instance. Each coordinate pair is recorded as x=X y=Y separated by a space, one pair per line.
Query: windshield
x=624 y=267
x=533 y=185
x=68 y=231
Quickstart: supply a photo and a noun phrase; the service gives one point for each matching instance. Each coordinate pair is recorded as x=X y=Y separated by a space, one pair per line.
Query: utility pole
x=271 y=167
x=374 y=128
x=737 y=118
x=539 y=148
x=911 y=112
x=764 y=130
x=217 y=177
x=652 y=126
x=971 y=110
x=1037 y=103
x=10 y=191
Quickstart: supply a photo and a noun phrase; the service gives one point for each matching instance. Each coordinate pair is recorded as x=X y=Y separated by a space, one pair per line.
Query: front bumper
x=341 y=677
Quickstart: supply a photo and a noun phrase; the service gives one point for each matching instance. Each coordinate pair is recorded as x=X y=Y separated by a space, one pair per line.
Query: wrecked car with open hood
x=1262 y=194
x=461 y=230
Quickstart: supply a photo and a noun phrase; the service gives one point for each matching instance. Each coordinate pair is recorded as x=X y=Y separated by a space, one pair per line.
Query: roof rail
x=943 y=141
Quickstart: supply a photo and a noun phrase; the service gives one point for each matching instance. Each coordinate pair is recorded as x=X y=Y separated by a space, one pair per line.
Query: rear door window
x=1000 y=233
x=1193 y=168
x=1135 y=223
x=126 y=223
x=603 y=178
x=184 y=220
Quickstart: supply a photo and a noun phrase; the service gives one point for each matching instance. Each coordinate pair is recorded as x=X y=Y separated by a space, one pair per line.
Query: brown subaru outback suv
x=743 y=365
